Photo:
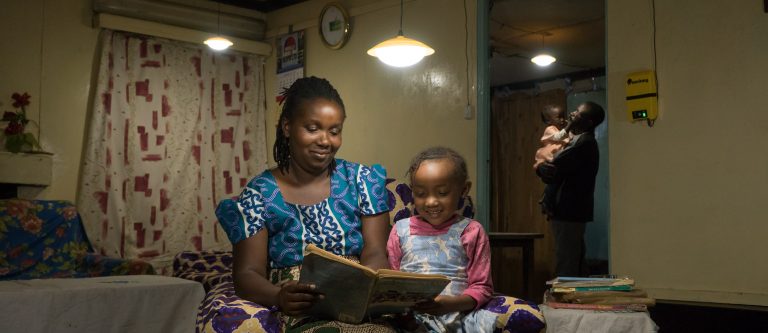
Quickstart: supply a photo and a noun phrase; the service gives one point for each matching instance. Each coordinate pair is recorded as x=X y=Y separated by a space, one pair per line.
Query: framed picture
x=290 y=60
x=290 y=51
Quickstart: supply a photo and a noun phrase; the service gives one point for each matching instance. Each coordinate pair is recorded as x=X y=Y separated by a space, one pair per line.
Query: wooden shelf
x=26 y=169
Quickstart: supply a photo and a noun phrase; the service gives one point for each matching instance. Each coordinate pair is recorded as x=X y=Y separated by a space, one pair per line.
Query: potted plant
x=16 y=140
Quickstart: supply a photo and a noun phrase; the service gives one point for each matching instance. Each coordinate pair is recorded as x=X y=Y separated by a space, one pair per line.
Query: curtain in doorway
x=175 y=128
x=516 y=129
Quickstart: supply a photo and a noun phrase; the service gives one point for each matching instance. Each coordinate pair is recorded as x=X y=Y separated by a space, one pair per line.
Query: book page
x=313 y=249
x=396 y=293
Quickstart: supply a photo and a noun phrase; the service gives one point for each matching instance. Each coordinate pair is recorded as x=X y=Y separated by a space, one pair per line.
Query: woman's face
x=314 y=134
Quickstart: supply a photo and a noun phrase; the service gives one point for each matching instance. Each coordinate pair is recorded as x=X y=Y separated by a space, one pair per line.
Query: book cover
x=599 y=307
x=556 y=289
x=354 y=292
x=585 y=295
x=572 y=282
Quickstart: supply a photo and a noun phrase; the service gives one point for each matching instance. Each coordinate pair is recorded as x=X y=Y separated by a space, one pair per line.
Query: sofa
x=46 y=239
x=52 y=281
x=223 y=311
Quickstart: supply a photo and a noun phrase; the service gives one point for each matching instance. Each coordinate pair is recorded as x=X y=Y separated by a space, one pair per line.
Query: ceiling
x=264 y=6
x=571 y=30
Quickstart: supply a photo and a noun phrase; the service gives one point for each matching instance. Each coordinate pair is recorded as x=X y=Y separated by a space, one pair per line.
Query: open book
x=354 y=292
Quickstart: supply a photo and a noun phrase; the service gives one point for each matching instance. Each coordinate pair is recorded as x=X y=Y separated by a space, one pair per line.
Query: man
x=569 y=196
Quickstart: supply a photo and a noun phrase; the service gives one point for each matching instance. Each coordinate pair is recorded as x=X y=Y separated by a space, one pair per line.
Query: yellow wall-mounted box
x=642 y=102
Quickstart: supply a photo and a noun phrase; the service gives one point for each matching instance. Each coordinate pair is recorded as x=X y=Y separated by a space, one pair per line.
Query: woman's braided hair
x=438 y=153
x=301 y=91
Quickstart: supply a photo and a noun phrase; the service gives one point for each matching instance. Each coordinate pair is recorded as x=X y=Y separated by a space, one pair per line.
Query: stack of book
x=601 y=294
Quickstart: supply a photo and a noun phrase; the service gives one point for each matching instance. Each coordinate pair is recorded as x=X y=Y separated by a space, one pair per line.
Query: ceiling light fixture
x=543 y=59
x=219 y=42
x=400 y=51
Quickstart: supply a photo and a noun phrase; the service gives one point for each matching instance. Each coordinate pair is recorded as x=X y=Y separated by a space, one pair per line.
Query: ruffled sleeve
x=242 y=217
x=372 y=189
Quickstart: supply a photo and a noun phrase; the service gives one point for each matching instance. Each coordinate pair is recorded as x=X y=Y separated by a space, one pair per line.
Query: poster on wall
x=290 y=60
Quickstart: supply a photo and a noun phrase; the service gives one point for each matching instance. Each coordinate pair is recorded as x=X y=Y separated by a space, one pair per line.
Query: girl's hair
x=438 y=153
x=301 y=91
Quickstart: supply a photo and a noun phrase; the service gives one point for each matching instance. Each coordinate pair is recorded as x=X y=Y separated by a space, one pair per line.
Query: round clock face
x=334 y=26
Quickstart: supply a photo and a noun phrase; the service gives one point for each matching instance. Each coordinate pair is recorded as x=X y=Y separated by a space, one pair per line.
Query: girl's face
x=314 y=134
x=437 y=191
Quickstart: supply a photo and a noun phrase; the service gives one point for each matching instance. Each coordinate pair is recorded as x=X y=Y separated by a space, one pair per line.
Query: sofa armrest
x=98 y=265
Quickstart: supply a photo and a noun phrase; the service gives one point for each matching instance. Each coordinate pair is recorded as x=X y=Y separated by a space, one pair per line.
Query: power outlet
x=468 y=110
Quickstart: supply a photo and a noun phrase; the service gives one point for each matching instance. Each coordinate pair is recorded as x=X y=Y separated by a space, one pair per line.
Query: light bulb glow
x=400 y=51
x=543 y=60
x=218 y=43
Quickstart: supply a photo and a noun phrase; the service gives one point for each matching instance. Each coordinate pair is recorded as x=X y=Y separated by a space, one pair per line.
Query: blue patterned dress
x=333 y=224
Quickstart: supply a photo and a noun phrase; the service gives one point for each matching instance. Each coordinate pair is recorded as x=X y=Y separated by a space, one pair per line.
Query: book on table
x=631 y=307
x=591 y=288
x=574 y=282
x=354 y=292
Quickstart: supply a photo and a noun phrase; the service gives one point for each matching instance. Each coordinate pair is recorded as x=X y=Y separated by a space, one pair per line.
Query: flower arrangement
x=16 y=140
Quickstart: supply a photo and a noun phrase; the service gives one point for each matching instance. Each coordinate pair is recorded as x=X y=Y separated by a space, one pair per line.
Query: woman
x=309 y=198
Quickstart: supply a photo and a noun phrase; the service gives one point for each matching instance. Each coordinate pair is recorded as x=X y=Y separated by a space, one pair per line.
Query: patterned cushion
x=210 y=268
x=401 y=198
x=46 y=239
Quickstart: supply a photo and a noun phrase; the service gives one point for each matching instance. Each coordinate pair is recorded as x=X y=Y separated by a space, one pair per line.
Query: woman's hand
x=294 y=298
x=444 y=304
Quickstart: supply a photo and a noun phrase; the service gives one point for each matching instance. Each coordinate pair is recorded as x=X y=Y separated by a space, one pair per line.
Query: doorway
x=574 y=33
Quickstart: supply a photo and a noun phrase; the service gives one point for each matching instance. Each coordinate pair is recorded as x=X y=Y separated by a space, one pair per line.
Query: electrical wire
x=466 y=48
x=655 y=77
x=400 y=32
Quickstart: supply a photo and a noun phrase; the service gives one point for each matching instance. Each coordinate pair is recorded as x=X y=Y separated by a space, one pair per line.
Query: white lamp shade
x=218 y=43
x=400 y=51
x=543 y=60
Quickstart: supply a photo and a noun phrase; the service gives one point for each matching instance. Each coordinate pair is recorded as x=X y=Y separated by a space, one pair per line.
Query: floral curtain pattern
x=175 y=128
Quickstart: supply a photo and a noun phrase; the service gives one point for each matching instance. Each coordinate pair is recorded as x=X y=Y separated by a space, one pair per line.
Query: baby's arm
x=554 y=135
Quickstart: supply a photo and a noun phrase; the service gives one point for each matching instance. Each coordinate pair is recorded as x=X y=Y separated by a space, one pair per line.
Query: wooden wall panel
x=516 y=127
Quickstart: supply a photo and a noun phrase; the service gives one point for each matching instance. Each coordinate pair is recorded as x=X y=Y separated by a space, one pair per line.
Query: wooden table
x=523 y=240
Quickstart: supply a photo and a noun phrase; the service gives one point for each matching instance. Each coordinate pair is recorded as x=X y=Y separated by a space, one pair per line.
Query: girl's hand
x=446 y=304
x=294 y=298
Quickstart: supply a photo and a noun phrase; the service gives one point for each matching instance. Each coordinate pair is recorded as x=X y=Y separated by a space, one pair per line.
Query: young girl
x=438 y=241
x=555 y=135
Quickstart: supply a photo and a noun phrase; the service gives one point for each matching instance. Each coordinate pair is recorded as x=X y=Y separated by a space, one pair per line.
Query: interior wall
x=392 y=113
x=48 y=51
x=687 y=195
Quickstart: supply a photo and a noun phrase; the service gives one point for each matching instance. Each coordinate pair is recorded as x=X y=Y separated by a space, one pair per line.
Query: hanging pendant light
x=219 y=42
x=543 y=59
x=400 y=51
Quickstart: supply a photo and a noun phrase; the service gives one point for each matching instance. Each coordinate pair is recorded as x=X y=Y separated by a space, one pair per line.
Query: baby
x=555 y=134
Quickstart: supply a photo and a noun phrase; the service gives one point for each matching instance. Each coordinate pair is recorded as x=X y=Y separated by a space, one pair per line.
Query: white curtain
x=175 y=128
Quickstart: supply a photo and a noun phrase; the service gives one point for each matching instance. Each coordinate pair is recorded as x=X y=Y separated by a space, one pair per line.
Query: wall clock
x=334 y=26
